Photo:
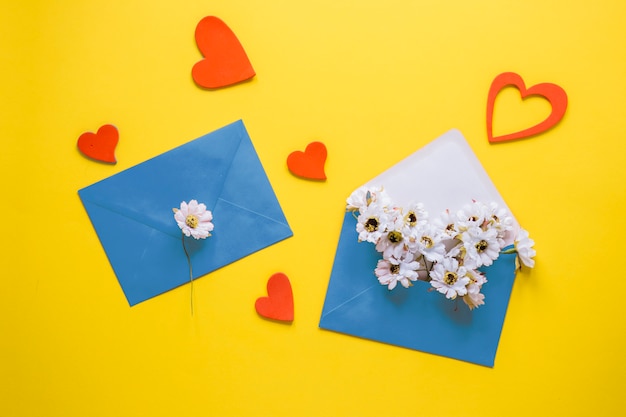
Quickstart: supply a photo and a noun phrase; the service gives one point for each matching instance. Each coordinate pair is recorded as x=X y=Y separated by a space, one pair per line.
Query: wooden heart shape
x=225 y=61
x=100 y=145
x=310 y=163
x=555 y=95
x=278 y=305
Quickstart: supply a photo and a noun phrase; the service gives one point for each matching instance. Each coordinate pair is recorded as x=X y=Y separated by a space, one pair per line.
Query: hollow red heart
x=554 y=94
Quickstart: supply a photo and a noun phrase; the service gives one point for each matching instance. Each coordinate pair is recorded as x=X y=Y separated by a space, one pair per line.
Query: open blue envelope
x=445 y=174
x=132 y=212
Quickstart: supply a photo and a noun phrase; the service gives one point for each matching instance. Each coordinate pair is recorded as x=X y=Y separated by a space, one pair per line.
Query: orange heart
x=310 y=163
x=100 y=145
x=278 y=305
x=225 y=61
x=555 y=95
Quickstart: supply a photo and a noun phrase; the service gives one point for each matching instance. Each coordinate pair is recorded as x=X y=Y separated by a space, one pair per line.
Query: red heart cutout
x=278 y=305
x=555 y=95
x=225 y=61
x=310 y=163
x=100 y=145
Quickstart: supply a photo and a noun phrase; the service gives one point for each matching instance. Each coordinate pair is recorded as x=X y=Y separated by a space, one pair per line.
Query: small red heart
x=100 y=145
x=310 y=163
x=555 y=95
x=225 y=61
x=278 y=305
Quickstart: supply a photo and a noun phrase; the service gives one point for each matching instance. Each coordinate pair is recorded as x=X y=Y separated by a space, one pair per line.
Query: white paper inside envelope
x=444 y=174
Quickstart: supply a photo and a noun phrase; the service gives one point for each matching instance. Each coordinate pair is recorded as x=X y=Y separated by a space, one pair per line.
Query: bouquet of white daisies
x=446 y=251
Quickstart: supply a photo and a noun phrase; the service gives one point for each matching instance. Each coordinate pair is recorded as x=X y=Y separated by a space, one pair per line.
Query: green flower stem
x=190 y=270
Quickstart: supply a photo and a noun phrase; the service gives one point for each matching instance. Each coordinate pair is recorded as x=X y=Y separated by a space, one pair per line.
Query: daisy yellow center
x=427 y=241
x=395 y=236
x=450 y=228
x=481 y=246
x=450 y=277
x=371 y=225
x=395 y=269
x=411 y=218
x=192 y=221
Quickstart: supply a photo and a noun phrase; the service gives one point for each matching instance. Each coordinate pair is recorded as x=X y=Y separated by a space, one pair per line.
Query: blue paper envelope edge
x=356 y=304
x=131 y=212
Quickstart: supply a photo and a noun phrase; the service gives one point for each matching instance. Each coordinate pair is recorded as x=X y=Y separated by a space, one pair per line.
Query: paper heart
x=278 y=305
x=225 y=61
x=555 y=95
x=310 y=163
x=100 y=145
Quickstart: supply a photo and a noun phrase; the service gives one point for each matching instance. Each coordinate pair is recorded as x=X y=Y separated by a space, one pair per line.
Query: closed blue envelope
x=132 y=212
x=445 y=174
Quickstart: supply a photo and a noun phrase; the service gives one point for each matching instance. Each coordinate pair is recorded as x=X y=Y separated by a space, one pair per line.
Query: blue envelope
x=131 y=212
x=445 y=174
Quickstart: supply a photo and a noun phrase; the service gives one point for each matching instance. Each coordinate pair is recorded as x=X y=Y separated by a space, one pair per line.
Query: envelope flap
x=247 y=185
x=197 y=170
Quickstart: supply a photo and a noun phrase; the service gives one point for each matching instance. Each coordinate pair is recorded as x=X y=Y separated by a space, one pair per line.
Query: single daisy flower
x=427 y=241
x=474 y=297
x=481 y=247
x=372 y=223
x=450 y=279
x=194 y=219
x=471 y=215
x=498 y=218
x=524 y=247
x=446 y=222
x=392 y=242
x=415 y=216
x=393 y=270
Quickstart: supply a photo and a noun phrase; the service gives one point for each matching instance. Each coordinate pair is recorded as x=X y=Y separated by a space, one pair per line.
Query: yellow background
x=372 y=80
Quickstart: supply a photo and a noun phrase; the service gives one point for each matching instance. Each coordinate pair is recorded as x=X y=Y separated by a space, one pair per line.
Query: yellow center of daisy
x=411 y=218
x=394 y=269
x=395 y=236
x=481 y=246
x=371 y=225
x=450 y=277
x=192 y=221
x=427 y=242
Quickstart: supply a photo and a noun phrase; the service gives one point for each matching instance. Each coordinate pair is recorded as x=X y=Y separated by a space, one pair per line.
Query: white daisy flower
x=427 y=240
x=364 y=196
x=449 y=278
x=393 y=270
x=392 y=241
x=372 y=223
x=524 y=247
x=481 y=247
x=194 y=219
x=415 y=215
x=447 y=223
x=474 y=297
x=500 y=219
x=471 y=215
x=476 y=277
